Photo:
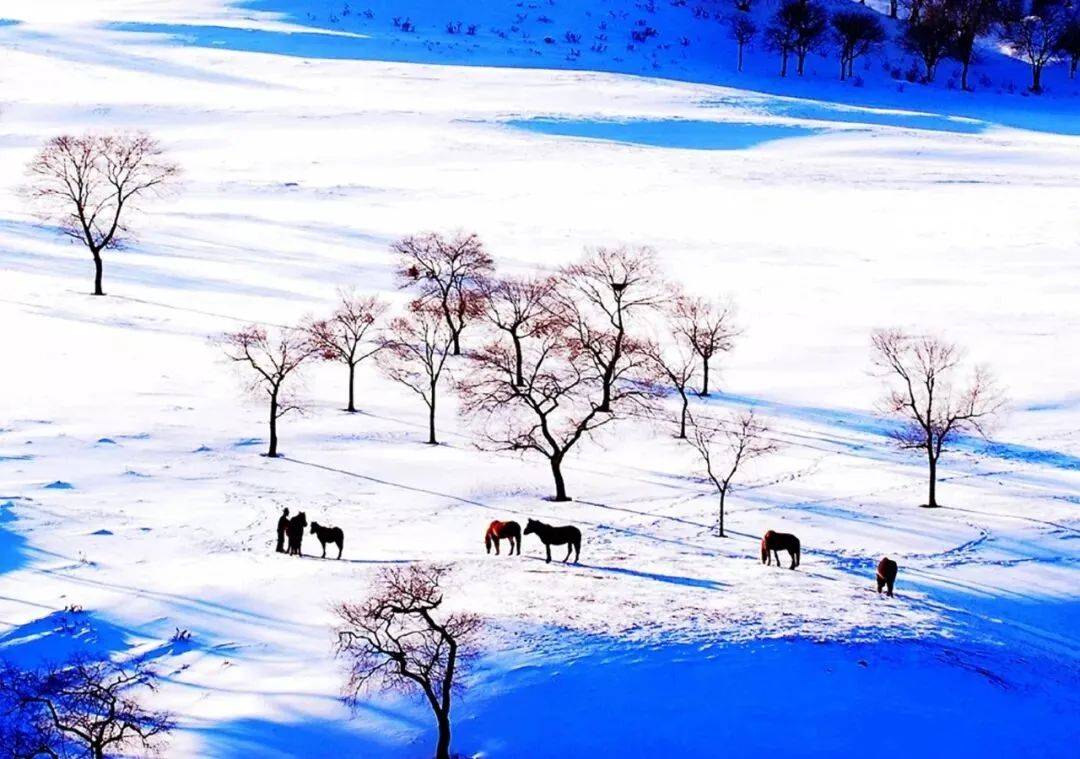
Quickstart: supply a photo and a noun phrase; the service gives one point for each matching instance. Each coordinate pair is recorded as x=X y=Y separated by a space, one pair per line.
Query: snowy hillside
x=134 y=502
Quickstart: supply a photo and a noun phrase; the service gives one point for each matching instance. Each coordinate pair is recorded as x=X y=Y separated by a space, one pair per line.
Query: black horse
x=569 y=536
x=295 y=533
x=774 y=542
x=329 y=535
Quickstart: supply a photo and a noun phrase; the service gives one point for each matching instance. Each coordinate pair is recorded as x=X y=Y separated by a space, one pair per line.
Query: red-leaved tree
x=348 y=336
x=602 y=301
x=273 y=359
x=558 y=402
x=414 y=354
x=708 y=326
x=449 y=272
x=520 y=309
x=89 y=186
x=402 y=639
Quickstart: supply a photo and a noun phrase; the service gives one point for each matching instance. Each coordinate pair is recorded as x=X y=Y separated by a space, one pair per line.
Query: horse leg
x=890 y=588
x=323 y=549
x=577 y=552
x=548 y=547
x=497 y=541
x=793 y=554
x=569 y=550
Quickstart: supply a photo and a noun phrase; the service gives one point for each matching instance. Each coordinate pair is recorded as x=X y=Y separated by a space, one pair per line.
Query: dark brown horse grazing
x=498 y=530
x=886 y=574
x=329 y=535
x=568 y=536
x=775 y=542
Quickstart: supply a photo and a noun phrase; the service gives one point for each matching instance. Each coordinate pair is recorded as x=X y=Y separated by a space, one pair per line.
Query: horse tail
x=487 y=540
x=798 y=552
x=765 y=548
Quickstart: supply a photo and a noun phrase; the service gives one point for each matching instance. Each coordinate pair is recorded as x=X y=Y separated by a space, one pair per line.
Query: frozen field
x=131 y=483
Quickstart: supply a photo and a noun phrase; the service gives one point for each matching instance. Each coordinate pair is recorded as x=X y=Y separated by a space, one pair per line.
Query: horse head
x=314 y=528
x=531 y=526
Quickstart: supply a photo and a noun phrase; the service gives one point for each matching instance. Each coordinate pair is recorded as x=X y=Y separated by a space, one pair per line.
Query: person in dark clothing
x=282 y=525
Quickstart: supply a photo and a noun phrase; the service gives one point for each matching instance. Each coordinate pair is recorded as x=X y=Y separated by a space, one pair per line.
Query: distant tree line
x=1040 y=32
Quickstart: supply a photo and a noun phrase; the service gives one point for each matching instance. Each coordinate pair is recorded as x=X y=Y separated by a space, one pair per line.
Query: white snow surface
x=298 y=174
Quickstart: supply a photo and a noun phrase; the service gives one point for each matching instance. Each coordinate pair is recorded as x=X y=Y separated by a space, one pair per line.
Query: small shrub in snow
x=572 y=37
x=643 y=34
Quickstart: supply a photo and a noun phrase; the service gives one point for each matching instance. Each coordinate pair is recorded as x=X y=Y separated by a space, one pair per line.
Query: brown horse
x=498 y=530
x=775 y=542
x=886 y=574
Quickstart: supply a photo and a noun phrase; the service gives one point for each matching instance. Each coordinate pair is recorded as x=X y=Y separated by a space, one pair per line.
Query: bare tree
x=597 y=302
x=273 y=359
x=557 y=405
x=89 y=185
x=709 y=327
x=971 y=19
x=449 y=272
x=929 y=35
x=401 y=639
x=520 y=308
x=1038 y=40
x=414 y=354
x=920 y=372
x=741 y=29
x=83 y=703
x=348 y=336
x=675 y=362
x=798 y=27
x=1070 y=40
x=724 y=446
x=856 y=33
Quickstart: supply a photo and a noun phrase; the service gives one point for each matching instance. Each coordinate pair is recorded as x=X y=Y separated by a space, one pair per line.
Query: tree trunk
x=740 y=56
x=783 y=63
x=1072 y=66
x=1036 y=79
x=456 y=335
x=272 y=453
x=519 y=376
x=352 y=389
x=682 y=419
x=892 y=8
x=97 y=751
x=802 y=60
x=720 y=524
x=932 y=501
x=843 y=68
x=704 y=378
x=442 y=749
x=965 y=65
x=431 y=418
x=560 y=484
x=98 y=272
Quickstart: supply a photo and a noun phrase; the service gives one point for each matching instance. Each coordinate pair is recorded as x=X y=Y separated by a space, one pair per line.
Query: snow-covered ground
x=132 y=486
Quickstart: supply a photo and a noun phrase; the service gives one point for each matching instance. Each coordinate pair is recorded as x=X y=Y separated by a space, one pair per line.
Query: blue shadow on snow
x=928 y=697
x=667 y=133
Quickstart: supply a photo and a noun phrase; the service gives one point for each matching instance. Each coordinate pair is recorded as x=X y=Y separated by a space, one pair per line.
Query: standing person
x=282 y=525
